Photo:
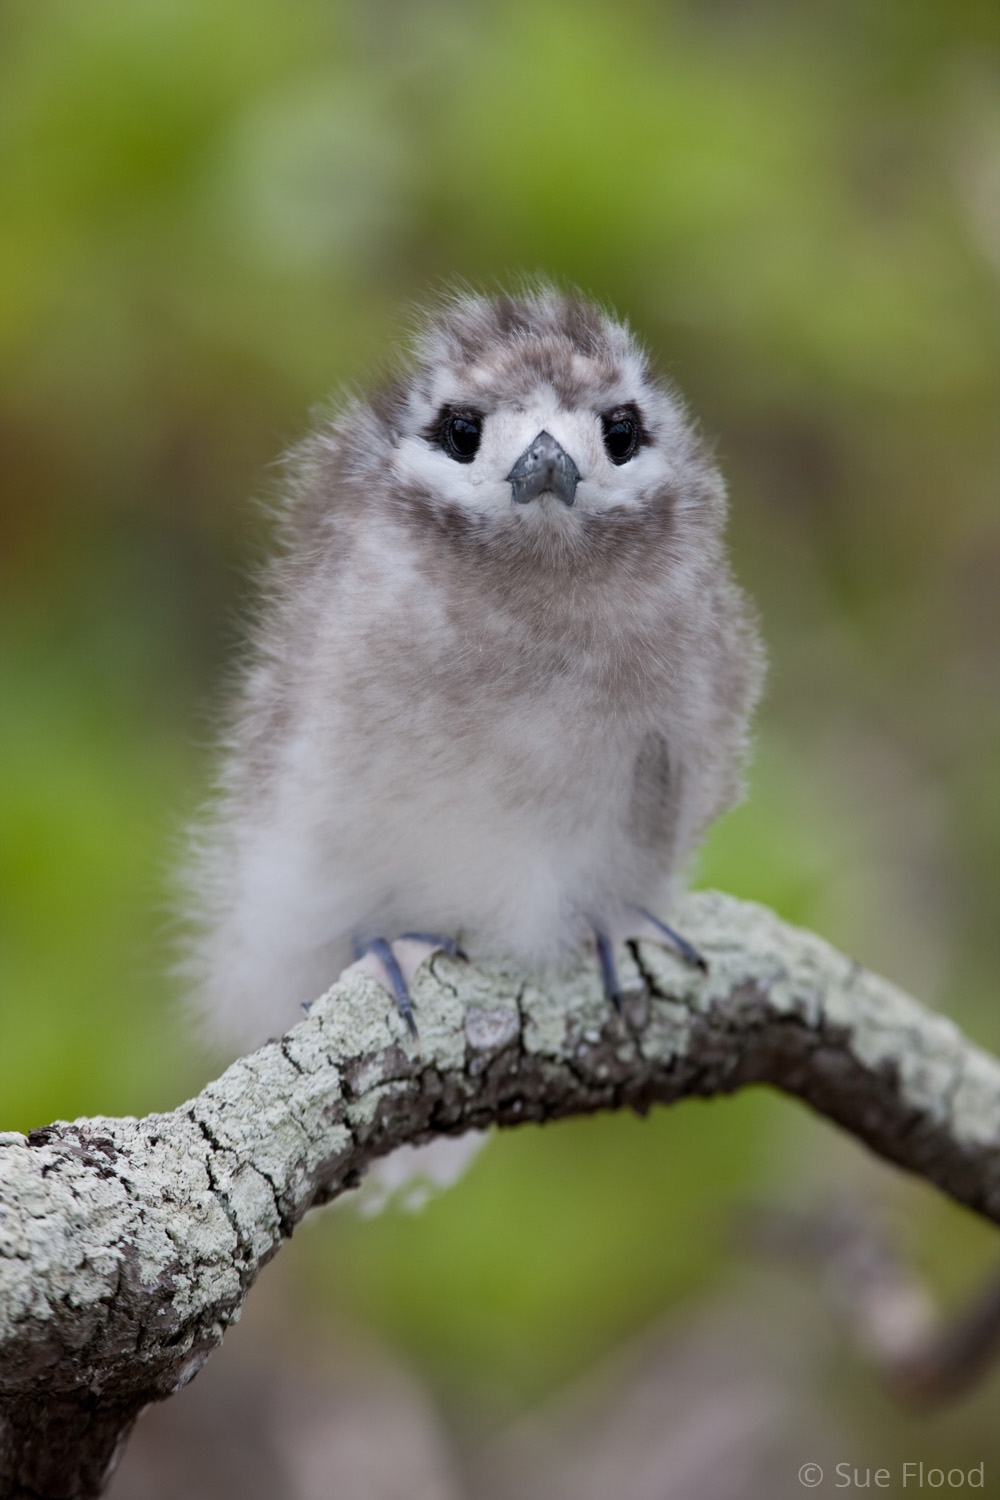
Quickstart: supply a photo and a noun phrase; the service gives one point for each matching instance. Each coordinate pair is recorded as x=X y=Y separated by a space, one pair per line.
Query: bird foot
x=650 y=929
x=645 y=928
x=394 y=965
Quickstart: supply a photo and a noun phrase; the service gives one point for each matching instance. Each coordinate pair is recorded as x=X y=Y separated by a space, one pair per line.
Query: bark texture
x=127 y=1246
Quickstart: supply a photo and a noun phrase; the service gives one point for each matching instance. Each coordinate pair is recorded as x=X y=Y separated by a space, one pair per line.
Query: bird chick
x=501 y=676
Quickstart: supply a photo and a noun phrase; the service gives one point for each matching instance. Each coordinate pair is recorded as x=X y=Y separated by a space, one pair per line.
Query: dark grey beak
x=544 y=465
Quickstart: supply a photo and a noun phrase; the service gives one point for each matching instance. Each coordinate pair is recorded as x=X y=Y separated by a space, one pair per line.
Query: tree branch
x=127 y=1246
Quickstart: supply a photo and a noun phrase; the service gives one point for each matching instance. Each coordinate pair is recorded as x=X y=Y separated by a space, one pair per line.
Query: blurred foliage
x=211 y=215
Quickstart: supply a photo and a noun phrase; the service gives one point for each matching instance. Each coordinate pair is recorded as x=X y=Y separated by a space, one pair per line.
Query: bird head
x=532 y=414
x=528 y=425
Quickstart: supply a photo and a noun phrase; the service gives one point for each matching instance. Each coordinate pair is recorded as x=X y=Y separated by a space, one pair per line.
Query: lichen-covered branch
x=127 y=1246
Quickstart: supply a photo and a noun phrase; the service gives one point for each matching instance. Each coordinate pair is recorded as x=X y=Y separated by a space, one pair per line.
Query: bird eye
x=622 y=434
x=460 y=433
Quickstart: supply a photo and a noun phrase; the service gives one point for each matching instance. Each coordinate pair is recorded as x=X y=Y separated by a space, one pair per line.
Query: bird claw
x=394 y=965
x=609 y=971
x=647 y=929
x=687 y=951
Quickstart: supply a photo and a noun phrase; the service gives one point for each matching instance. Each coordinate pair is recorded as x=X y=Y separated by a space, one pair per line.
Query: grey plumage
x=507 y=721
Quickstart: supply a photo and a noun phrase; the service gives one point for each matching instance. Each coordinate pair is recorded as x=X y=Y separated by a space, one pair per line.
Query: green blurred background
x=211 y=215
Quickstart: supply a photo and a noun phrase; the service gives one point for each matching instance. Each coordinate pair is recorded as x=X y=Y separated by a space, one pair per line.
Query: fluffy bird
x=501 y=675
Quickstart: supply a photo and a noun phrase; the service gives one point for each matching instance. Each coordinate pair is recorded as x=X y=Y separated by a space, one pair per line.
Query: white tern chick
x=501 y=678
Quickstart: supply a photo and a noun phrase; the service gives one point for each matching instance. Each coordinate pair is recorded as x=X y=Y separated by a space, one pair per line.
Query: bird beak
x=544 y=465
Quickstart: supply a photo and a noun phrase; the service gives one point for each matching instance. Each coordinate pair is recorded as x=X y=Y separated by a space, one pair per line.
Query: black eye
x=459 y=435
x=622 y=434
